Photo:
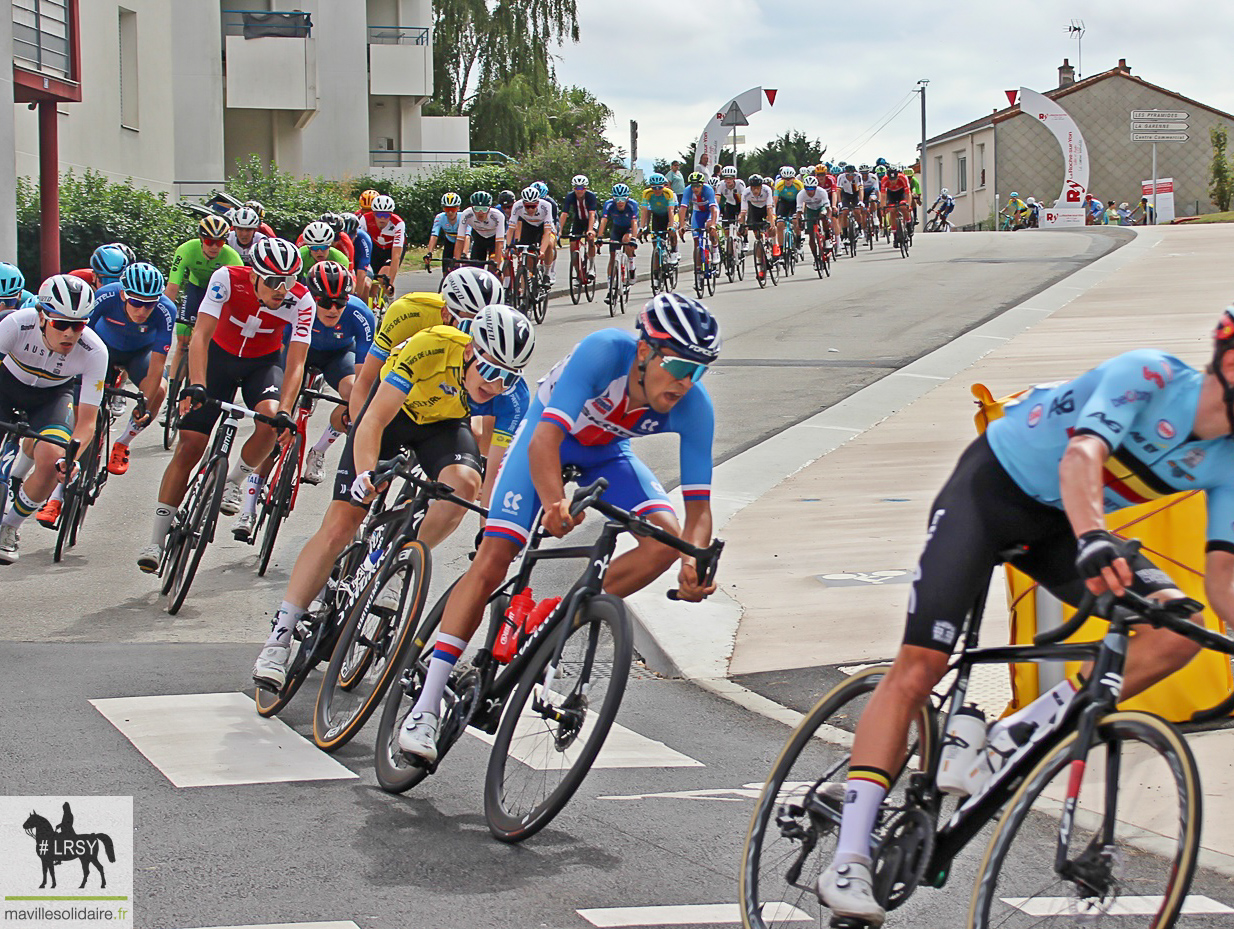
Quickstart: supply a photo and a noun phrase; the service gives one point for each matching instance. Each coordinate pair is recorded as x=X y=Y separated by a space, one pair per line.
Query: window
x=938 y=169
x=981 y=165
x=961 y=173
x=128 y=69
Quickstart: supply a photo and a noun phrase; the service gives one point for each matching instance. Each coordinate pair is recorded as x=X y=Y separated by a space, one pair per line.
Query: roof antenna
x=1076 y=29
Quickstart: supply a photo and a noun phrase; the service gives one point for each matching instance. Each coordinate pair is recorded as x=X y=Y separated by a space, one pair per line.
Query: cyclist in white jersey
x=756 y=202
x=813 y=204
x=531 y=223
x=481 y=230
x=850 y=185
x=245 y=233
x=729 y=193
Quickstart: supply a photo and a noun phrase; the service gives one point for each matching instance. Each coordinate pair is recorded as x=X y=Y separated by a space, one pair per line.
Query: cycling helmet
x=657 y=180
x=351 y=223
x=864 y=169
x=909 y=171
x=366 y=199
x=142 y=279
x=824 y=168
x=696 y=177
x=256 y=205
x=944 y=192
x=880 y=170
x=318 y=235
x=580 y=180
x=788 y=173
x=468 y=290
x=276 y=257
x=1030 y=201
x=1015 y=195
x=482 y=200
x=329 y=280
x=334 y=221
x=66 y=296
x=810 y=182
x=503 y=336
x=542 y=187
x=531 y=194
x=451 y=201
x=850 y=169
x=230 y=215
x=893 y=172
x=880 y=161
x=129 y=256
x=383 y=203
x=755 y=180
x=506 y=198
x=108 y=263
x=246 y=218
x=683 y=324
x=213 y=227
x=621 y=191
x=12 y=281
x=728 y=171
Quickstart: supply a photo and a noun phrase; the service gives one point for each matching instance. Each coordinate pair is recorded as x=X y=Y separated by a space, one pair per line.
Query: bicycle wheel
x=590 y=285
x=740 y=261
x=371 y=648
x=539 y=307
x=557 y=719
x=655 y=272
x=200 y=529
x=576 y=282
x=70 y=511
x=1018 y=885
x=902 y=237
x=699 y=271
x=730 y=264
x=522 y=292
x=760 y=263
x=277 y=504
x=796 y=820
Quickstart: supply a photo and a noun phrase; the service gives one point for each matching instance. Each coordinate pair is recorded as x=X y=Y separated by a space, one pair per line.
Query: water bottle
x=507 y=642
x=542 y=611
x=962 y=748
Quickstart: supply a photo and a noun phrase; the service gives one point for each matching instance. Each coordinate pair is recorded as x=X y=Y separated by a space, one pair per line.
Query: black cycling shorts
x=530 y=235
x=729 y=211
x=380 y=258
x=193 y=295
x=756 y=215
x=46 y=410
x=785 y=208
x=849 y=201
x=896 y=196
x=659 y=221
x=482 y=247
x=257 y=379
x=981 y=512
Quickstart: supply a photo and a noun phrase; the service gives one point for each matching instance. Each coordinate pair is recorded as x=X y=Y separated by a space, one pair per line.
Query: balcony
x=46 y=51
x=270 y=60
x=400 y=61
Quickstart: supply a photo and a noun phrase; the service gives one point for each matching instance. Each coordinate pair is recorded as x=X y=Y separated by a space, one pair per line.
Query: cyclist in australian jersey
x=46 y=349
x=482 y=231
x=786 y=189
x=424 y=403
x=1135 y=428
x=238 y=344
x=613 y=386
x=659 y=211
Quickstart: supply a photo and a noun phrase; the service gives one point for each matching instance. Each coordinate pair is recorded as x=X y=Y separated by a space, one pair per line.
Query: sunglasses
x=67 y=325
x=213 y=242
x=143 y=304
x=682 y=369
x=491 y=372
x=277 y=281
x=334 y=303
x=383 y=215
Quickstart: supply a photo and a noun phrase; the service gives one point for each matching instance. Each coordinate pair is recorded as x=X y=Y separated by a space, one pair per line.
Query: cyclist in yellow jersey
x=785 y=189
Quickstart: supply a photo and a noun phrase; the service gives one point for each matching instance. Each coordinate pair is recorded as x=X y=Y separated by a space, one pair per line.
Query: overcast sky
x=671 y=65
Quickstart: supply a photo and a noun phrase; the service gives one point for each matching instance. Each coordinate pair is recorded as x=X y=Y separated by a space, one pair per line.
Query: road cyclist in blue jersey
x=13 y=293
x=698 y=205
x=1139 y=426
x=614 y=386
x=620 y=218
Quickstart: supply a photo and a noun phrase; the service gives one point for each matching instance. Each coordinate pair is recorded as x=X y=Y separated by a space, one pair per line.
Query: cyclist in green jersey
x=196 y=260
x=317 y=244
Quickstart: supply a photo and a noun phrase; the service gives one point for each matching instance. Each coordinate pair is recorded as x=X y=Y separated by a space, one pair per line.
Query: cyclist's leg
x=49 y=412
x=448 y=453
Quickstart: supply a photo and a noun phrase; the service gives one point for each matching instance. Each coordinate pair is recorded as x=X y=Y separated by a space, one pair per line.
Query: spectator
x=1147 y=215
x=675 y=180
x=1109 y=216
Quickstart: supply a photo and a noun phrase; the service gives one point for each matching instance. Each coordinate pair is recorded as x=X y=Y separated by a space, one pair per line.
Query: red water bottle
x=512 y=624
x=539 y=615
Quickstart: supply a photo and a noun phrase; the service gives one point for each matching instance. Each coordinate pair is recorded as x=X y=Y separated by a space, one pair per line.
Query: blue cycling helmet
x=108 y=262
x=143 y=280
x=683 y=324
x=657 y=180
x=12 y=281
x=542 y=187
x=621 y=191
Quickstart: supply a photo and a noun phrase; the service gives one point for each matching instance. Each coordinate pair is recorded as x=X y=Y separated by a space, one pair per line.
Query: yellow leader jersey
x=429 y=369
x=406 y=316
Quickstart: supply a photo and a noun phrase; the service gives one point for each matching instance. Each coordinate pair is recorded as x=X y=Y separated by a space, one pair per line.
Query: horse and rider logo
x=63 y=843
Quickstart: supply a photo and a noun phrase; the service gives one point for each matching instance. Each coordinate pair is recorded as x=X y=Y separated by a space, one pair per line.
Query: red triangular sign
x=1011 y=95
x=771 y=95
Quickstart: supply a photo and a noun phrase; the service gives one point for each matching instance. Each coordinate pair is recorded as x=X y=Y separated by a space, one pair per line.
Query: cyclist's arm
x=1080 y=482
x=367 y=431
x=544 y=460
x=199 y=346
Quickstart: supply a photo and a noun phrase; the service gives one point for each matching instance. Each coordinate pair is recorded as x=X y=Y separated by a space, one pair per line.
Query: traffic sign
x=1159 y=137
x=1159 y=114
x=734 y=116
x=1145 y=126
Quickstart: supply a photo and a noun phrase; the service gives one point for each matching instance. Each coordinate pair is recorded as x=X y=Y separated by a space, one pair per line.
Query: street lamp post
x=925 y=207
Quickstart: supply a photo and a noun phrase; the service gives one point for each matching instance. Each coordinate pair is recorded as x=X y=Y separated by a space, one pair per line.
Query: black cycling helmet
x=683 y=324
x=756 y=180
x=506 y=198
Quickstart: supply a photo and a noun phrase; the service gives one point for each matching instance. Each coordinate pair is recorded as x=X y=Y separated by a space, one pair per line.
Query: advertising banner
x=715 y=134
x=1165 y=197
x=1068 y=210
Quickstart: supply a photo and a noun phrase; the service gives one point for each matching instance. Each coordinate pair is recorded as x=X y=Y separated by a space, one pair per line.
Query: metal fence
x=398 y=35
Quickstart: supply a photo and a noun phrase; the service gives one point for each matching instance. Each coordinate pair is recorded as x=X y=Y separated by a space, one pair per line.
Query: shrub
x=291 y=202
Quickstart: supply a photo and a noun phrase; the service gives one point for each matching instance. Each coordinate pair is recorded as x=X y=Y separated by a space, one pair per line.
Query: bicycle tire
x=279 y=506
x=576 y=282
x=730 y=264
x=202 y=521
x=760 y=264
x=384 y=644
x=711 y=273
x=699 y=272
x=540 y=307
x=590 y=286
x=1115 y=729
x=775 y=874
x=70 y=507
x=176 y=537
x=522 y=292
x=653 y=272
x=171 y=419
x=599 y=629
x=614 y=292
x=741 y=263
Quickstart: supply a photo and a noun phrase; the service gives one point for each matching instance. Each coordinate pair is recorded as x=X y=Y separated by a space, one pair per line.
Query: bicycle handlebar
x=1174 y=615
x=235 y=411
x=399 y=466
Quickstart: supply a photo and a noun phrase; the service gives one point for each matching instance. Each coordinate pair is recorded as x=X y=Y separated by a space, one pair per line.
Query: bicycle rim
x=538 y=763
x=371 y=649
x=760 y=265
x=576 y=282
x=201 y=524
x=280 y=503
x=795 y=824
x=590 y=286
x=1147 y=866
x=68 y=516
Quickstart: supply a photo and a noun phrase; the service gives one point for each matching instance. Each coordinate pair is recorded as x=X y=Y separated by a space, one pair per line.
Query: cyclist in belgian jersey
x=1135 y=428
x=582 y=212
x=482 y=231
x=191 y=267
x=423 y=403
x=444 y=232
x=659 y=210
x=613 y=386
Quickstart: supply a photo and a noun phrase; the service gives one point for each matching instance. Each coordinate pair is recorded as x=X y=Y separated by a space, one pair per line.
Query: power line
x=879 y=124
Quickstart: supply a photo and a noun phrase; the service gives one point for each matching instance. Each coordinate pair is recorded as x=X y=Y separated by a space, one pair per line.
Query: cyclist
x=942 y=208
x=552 y=245
x=482 y=231
x=107 y=263
x=46 y=348
x=366 y=202
x=659 y=208
x=362 y=267
x=582 y=209
x=13 y=293
x=813 y=203
x=424 y=403
x=871 y=191
x=699 y=202
x=850 y=185
x=1016 y=210
x=196 y=260
x=342 y=332
x=621 y=212
x=389 y=233
x=756 y=202
x=245 y=232
x=505 y=203
x=264 y=228
x=342 y=238
x=531 y=223
x=444 y=232
x=786 y=189
x=238 y=343
x=613 y=386
x=897 y=195
x=317 y=244
x=915 y=186
x=1136 y=427
x=827 y=181
x=729 y=193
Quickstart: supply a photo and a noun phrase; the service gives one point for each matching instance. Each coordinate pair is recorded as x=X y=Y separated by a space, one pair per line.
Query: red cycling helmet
x=329 y=281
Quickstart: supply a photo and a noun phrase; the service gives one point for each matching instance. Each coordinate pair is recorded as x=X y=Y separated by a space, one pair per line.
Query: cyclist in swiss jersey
x=389 y=234
x=238 y=344
x=613 y=386
x=1138 y=427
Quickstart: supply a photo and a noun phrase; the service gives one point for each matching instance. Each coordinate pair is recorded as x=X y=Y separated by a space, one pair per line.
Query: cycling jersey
x=537 y=214
x=388 y=236
x=581 y=211
x=507 y=411
x=788 y=190
x=1017 y=206
x=110 y=319
x=731 y=195
x=1142 y=404
x=491 y=225
x=899 y=183
x=244 y=251
x=409 y=314
x=849 y=183
x=760 y=196
x=363 y=244
x=812 y=199
x=28 y=360
x=444 y=228
x=247 y=328
x=871 y=182
x=699 y=201
x=307 y=260
x=429 y=369
x=190 y=261
x=662 y=202
x=621 y=217
x=353 y=331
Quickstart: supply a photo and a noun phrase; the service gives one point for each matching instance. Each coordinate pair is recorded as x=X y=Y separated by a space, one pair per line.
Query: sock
x=284 y=622
x=252 y=491
x=866 y=789
x=23 y=464
x=163 y=515
x=22 y=507
x=239 y=471
x=326 y=440
x=130 y=433
x=58 y=492
x=446 y=654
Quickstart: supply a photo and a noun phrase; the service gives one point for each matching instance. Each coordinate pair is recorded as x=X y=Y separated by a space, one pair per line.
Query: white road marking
x=623 y=748
x=208 y=740
x=720 y=914
x=1123 y=906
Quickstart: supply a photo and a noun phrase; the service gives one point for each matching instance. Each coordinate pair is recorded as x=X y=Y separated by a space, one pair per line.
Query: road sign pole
x=1154 y=186
x=734 y=148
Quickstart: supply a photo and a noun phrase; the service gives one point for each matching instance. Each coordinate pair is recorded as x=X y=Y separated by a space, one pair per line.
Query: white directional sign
x=1147 y=126
x=1159 y=114
x=1159 y=137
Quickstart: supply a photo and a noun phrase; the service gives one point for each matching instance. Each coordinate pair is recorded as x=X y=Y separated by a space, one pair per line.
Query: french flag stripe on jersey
x=558 y=418
x=695 y=492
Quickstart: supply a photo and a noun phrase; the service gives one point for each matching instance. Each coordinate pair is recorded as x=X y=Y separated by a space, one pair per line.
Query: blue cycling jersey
x=110 y=319
x=620 y=217
x=363 y=243
x=507 y=410
x=353 y=332
x=699 y=200
x=442 y=226
x=1142 y=404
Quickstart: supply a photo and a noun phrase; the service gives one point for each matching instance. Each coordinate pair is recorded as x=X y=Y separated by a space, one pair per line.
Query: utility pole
x=925 y=203
x=633 y=142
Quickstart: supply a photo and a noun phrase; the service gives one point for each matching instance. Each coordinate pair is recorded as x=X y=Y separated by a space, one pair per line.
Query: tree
x=792 y=148
x=1221 y=174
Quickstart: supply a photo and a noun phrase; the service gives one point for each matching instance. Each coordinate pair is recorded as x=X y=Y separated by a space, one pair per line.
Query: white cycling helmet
x=810 y=181
x=318 y=234
x=276 y=258
x=246 y=218
x=1030 y=201
x=580 y=180
x=504 y=336
x=728 y=171
x=944 y=192
x=788 y=173
x=66 y=296
x=531 y=194
x=468 y=290
x=383 y=203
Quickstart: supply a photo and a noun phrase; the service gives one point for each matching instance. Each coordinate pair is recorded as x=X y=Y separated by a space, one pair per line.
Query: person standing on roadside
x=676 y=179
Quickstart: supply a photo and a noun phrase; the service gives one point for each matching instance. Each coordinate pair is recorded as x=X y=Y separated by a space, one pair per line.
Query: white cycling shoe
x=233 y=496
x=418 y=736
x=314 y=466
x=270 y=671
x=847 y=890
x=242 y=528
x=149 y=557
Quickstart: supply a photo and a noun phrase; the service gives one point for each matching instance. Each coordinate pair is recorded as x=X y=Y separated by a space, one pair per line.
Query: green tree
x=792 y=148
x=1220 y=174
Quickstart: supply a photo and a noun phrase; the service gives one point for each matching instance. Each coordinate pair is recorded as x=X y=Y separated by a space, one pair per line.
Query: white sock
x=163 y=515
x=446 y=653
x=252 y=490
x=239 y=471
x=861 y=803
x=58 y=492
x=22 y=507
x=284 y=621
x=327 y=439
x=130 y=433
x=22 y=466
